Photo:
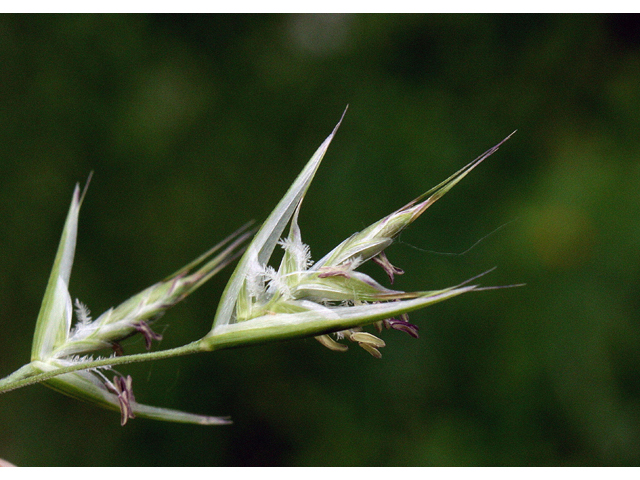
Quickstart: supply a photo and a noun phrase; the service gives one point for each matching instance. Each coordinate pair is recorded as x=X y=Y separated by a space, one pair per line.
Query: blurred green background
x=196 y=124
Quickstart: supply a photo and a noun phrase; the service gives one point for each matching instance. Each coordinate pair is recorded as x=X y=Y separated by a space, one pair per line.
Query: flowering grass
x=328 y=299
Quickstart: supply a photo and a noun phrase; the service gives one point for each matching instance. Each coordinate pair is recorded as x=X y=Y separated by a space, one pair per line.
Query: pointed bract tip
x=335 y=129
x=86 y=187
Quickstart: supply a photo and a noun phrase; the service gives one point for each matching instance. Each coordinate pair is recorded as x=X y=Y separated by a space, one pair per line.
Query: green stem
x=25 y=376
x=266 y=329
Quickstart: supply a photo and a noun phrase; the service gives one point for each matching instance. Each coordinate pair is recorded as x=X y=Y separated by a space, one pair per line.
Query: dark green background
x=197 y=124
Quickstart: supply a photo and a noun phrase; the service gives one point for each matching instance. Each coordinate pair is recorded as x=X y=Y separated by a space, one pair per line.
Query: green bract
x=57 y=343
x=260 y=303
